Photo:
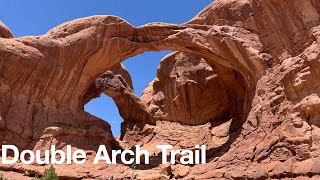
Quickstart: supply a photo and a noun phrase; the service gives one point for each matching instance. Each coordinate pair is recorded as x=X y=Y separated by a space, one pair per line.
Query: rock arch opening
x=186 y=90
x=105 y=108
x=137 y=78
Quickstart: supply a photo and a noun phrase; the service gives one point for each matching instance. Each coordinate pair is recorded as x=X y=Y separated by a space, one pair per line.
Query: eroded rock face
x=278 y=137
x=189 y=91
x=261 y=57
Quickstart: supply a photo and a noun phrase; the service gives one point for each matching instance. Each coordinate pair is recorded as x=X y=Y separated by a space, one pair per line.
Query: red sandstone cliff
x=245 y=82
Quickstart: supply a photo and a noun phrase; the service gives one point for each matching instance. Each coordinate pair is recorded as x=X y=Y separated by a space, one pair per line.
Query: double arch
x=72 y=55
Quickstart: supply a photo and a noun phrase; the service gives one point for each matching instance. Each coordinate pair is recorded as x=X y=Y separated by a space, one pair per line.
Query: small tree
x=49 y=174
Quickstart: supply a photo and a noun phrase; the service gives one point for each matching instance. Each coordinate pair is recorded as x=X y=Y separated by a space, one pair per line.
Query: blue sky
x=36 y=17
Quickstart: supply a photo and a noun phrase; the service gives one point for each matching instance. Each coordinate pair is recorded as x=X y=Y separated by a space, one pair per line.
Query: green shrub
x=49 y=174
x=2 y=178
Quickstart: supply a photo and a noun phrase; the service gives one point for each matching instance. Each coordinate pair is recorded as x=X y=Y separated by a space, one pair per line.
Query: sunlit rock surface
x=246 y=84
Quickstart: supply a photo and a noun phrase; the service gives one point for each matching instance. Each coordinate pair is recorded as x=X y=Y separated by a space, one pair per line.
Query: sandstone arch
x=58 y=68
x=83 y=49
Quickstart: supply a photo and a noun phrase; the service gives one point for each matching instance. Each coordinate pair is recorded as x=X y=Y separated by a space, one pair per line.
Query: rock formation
x=117 y=84
x=244 y=82
x=5 y=32
x=189 y=91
